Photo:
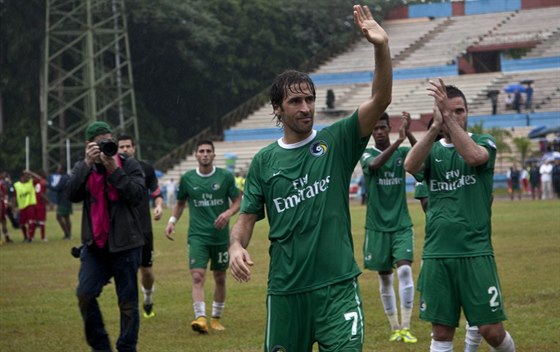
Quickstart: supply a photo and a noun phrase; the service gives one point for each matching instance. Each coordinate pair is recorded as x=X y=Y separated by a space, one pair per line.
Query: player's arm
x=472 y=153
x=415 y=158
x=370 y=110
x=406 y=120
x=223 y=219
x=404 y=132
x=158 y=206
x=239 y=238
x=175 y=216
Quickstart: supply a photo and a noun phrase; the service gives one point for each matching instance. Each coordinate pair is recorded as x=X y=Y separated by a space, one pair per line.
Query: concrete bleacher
x=425 y=48
x=525 y=26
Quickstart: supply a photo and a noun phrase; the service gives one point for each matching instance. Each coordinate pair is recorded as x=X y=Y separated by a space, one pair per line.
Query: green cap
x=96 y=128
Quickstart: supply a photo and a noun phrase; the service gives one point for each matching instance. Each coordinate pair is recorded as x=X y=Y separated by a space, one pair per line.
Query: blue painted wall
x=490 y=6
x=430 y=10
x=530 y=64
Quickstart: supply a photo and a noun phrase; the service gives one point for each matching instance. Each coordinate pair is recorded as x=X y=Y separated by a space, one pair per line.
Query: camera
x=75 y=251
x=108 y=147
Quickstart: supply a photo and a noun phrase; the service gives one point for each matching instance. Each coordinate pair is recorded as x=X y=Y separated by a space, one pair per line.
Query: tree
x=523 y=145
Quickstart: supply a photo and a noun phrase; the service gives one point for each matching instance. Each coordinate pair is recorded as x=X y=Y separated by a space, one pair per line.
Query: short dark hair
x=385 y=117
x=282 y=83
x=126 y=137
x=204 y=141
x=454 y=92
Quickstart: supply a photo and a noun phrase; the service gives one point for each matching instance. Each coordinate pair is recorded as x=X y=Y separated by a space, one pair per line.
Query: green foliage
x=523 y=145
x=39 y=279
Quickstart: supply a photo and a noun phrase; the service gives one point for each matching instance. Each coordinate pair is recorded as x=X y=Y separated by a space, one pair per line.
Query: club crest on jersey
x=215 y=186
x=279 y=348
x=399 y=162
x=319 y=148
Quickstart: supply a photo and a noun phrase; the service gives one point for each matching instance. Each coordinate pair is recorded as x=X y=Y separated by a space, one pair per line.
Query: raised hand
x=438 y=92
x=367 y=25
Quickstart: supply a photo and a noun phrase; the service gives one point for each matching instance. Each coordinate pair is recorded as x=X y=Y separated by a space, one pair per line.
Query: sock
x=472 y=338
x=42 y=228
x=148 y=294
x=24 y=230
x=441 y=346
x=217 y=309
x=31 y=230
x=507 y=345
x=199 y=309
x=389 y=300
x=406 y=294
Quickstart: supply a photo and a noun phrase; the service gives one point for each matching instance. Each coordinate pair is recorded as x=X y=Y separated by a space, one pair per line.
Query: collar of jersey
x=206 y=175
x=449 y=145
x=297 y=144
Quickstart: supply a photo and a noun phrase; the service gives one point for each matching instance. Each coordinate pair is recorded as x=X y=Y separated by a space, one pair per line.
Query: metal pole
x=68 y=156
x=27 y=153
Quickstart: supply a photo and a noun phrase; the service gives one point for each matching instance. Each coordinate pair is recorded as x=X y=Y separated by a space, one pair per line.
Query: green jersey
x=208 y=197
x=386 y=209
x=304 y=188
x=458 y=220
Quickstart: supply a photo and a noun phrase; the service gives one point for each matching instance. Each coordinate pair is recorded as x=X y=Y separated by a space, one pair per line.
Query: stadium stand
x=423 y=48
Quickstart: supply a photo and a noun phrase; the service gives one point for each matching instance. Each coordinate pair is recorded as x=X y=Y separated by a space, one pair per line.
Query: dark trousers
x=97 y=266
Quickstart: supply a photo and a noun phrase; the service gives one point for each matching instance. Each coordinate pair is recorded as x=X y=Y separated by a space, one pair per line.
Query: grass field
x=38 y=307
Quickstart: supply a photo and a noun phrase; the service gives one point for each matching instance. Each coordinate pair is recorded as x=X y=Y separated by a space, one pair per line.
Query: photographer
x=110 y=187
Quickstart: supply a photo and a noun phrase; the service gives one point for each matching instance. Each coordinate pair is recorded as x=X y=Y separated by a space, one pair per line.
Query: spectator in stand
x=529 y=98
x=514 y=177
x=546 y=179
x=535 y=181
x=517 y=101
x=509 y=102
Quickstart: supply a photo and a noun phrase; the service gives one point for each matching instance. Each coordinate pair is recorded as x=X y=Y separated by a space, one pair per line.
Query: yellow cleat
x=407 y=337
x=395 y=336
x=200 y=325
x=216 y=325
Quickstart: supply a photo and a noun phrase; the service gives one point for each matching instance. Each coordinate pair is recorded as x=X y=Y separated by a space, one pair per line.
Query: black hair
x=290 y=80
x=385 y=117
x=454 y=92
x=204 y=141
x=126 y=137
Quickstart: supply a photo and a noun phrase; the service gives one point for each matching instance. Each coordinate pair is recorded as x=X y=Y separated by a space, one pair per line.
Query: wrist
x=172 y=220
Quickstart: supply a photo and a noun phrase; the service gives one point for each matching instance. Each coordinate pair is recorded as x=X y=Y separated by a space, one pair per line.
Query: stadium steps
x=548 y=47
x=420 y=42
x=493 y=30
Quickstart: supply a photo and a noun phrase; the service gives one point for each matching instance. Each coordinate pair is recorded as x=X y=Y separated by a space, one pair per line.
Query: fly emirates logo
x=389 y=179
x=454 y=181
x=208 y=201
x=304 y=191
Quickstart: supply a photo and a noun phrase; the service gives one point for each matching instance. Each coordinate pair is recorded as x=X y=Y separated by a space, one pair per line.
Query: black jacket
x=125 y=231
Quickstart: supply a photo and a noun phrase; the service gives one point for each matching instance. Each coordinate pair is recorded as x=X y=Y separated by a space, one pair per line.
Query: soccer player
x=40 y=184
x=389 y=239
x=25 y=199
x=459 y=171
x=127 y=146
x=209 y=191
x=302 y=181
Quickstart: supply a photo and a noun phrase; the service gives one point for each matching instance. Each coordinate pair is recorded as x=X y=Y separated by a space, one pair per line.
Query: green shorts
x=62 y=210
x=383 y=249
x=446 y=285
x=200 y=254
x=331 y=315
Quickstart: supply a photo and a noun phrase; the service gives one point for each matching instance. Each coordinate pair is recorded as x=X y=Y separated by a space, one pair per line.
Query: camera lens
x=108 y=147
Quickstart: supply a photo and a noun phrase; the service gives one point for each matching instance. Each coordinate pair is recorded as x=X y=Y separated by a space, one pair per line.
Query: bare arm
x=472 y=153
x=158 y=207
x=175 y=215
x=382 y=86
x=239 y=258
x=223 y=219
x=409 y=135
x=404 y=132
x=414 y=161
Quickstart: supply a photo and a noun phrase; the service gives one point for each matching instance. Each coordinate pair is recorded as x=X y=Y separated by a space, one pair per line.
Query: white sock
x=217 y=309
x=389 y=300
x=199 y=309
x=406 y=294
x=472 y=338
x=507 y=345
x=441 y=346
x=148 y=294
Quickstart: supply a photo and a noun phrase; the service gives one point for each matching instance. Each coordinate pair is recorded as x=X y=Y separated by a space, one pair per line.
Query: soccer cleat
x=216 y=325
x=149 y=311
x=395 y=336
x=200 y=325
x=407 y=337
